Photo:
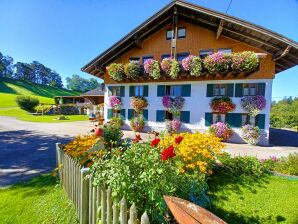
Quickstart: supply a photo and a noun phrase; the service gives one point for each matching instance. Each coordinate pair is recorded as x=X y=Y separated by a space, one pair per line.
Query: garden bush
x=287 y=165
x=116 y=121
x=27 y=102
x=112 y=134
x=68 y=109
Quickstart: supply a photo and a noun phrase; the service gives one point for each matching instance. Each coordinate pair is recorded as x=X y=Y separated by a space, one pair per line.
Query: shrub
x=112 y=134
x=138 y=103
x=221 y=130
x=217 y=62
x=222 y=104
x=27 y=102
x=116 y=71
x=246 y=61
x=115 y=102
x=192 y=64
x=68 y=109
x=253 y=104
x=116 y=121
x=141 y=176
x=287 y=165
x=152 y=68
x=251 y=134
x=137 y=123
x=132 y=69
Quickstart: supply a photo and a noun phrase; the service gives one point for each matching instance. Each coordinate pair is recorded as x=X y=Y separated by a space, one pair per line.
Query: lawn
x=270 y=199
x=41 y=200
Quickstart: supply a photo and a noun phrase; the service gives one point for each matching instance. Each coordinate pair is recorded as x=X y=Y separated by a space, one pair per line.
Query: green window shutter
x=123 y=114
x=161 y=90
x=160 y=115
x=122 y=91
x=129 y=114
x=239 y=90
x=145 y=91
x=261 y=88
x=230 y=89
x=186 y=90
x=185 y=116
x=234 y=120
x=208 y=119
x=145 y=114
x=109 y=90
x=131 y=91
x=209 y=90
x=110 y=113
x=261 y=121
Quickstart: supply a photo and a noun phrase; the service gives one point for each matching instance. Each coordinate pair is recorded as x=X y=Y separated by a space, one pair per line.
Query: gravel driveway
x=28 y=148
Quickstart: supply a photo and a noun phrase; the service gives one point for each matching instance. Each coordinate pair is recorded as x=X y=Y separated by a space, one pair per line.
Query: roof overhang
x=283 y=50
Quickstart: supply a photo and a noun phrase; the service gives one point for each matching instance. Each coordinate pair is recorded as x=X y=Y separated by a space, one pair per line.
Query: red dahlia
x=167 y=153
x=178 y=139
x=154 y=142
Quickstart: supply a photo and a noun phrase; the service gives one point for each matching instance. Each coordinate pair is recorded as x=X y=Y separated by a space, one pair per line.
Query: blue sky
x=65 y=34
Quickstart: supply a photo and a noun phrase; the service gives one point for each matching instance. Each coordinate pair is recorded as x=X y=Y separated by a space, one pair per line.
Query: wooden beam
x=138 y=41
x=282 y=53
x=220 y=28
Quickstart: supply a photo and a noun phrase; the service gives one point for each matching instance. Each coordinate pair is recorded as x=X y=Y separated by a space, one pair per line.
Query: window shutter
x=160 y=115
x=186 y=90
x=234 y=120
x=109 y=90
x=230 y=89
x=239 y=90
x=145 y=91
x=122 y=91
x=261 y=121
x=209 y=90
x=161 y=89
x=208 y=119
x=110 y=113
x=145 y=114
x=129 y=114
x=261 y=88
x=185 y=116
x=131 y=91
x=123 y=114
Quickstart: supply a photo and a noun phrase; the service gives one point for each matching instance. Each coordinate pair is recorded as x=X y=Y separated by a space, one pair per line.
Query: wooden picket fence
x=93 y=204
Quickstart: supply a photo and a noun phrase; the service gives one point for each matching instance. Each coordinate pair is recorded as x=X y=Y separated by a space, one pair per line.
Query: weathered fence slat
x=133 y=214
x=123 y=211
x=115 y=213
x=109 y=206
x=103 y=205
x=145 y=218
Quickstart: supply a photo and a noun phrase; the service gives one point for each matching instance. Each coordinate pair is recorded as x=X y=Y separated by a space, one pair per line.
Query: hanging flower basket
x=173 y=126
x=116 y=71
x=174 y=106
x=251 y=134
x=152 y=68
x=246 y=61
x=221 y=130
x=137 y=123
x=132 y=70
x=115 y=102
x=138 y=104
x=193 y=65
x=217 y=63
x=253 y=104
x=170 y=67
x=222 y=104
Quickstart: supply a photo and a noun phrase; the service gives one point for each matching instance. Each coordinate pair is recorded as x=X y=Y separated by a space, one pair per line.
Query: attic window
x=134 y=59
x=181 y=32
x=170 y=34
x=205 y=53
x=145 y=58
x=225 y=50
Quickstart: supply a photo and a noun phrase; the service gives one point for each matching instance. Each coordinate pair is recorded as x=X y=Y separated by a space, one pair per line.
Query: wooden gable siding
x=197 y=38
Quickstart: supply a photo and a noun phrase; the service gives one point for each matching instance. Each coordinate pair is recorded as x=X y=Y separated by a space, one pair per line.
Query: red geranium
x=154 y=142
x=167 y=153
x=178 y=139
x=98 y=132
x=137 y=139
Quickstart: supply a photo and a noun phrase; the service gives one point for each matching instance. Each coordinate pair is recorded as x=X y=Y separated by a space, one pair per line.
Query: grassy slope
x=41 y=200
x=270 y=199
x=10 y=88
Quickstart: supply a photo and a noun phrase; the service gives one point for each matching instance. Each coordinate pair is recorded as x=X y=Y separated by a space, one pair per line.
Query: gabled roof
x=283 y=49
x=94 y=92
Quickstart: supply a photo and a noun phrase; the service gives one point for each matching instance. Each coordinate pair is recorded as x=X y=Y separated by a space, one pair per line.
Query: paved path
x=28 y=148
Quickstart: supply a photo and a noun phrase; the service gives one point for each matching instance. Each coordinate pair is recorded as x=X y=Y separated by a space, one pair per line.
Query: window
x=248 y=119
x=168 y=115
x=139 y=91
x=145 y=58
x=173 y=91
x=181 y=56
x=165 y=56
x=225 y=50
x=205 y=53
x=181 y=32
x=249 y=89
x=217 y=117
x=116 y=113
x=114 y=91
x=169 y=34
x=220 y=90
x=134 y=59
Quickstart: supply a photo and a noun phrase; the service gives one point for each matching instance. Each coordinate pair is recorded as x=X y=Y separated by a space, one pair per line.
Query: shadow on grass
x=6 y=89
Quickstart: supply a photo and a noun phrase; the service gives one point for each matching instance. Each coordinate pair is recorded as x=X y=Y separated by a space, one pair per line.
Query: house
x=181 y=29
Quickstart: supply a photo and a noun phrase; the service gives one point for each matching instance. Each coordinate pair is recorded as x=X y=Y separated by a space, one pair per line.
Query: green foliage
x=27 y=102
x=137 y=123
x=116 y=71
x=132 y=69
x=112 y=133
x=287 y=165
x=142 y=177
x=284 y=113
x=68 y=109
x=116 y=122
x=80 y=84
x=175 y=69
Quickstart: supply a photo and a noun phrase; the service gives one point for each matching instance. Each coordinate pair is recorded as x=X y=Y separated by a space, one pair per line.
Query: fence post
x=133 y=214
x=103 y=205
x=115 y=213
x=123 y=211
x=109 y=206
x=145 y=218
x=84 y=217
x=58 y=159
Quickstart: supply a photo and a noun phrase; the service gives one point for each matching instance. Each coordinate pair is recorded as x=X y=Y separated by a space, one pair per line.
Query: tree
x=78 y=83
x=6 y=66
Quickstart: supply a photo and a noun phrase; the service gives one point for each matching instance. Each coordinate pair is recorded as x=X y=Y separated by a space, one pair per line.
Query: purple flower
x=176 y=125
x=167 y=102
x=253 y=104
x=221 y=130
x=115 y=102
x=148 y=65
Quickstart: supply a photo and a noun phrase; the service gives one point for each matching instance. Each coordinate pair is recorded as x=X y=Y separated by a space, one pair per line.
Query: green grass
x=270 y=199
x=41 y=200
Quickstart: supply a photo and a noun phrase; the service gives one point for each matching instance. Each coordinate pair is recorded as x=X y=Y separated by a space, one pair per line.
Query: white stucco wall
x=197 y=104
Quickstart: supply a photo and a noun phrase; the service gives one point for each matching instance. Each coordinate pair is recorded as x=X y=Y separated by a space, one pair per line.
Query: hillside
x=10 y=88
